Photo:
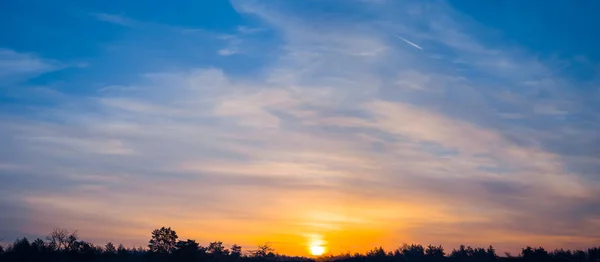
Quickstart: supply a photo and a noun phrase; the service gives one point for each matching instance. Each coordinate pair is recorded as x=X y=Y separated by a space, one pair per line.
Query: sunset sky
x=346 y=124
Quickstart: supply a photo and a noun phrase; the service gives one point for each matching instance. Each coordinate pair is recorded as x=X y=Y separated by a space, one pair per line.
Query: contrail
x=409 y=42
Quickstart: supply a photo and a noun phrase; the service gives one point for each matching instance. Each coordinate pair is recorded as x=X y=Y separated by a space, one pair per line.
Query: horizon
x=338 y=125
x=63 y=241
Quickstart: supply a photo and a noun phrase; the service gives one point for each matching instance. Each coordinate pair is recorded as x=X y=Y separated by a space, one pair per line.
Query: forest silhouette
x=165 y=245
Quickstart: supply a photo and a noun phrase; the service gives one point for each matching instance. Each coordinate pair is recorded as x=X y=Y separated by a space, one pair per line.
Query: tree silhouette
x=122 y=251
x=461 y=253
x=58 y=238
x=376 y=252
x=63 y=246
x=594 y=254
x=263 y=251
x=534 y=254
x=71 y=241
x=38 y=245
x=236 y=251
x=109 y=248
x=21 y=246
x=435 y=253
x=188 y=250
x=61 y=239
x=217 y=249
x=163 y=240
x=188 y=247
x=413 y=251
x=491 y=253
x=189 y=244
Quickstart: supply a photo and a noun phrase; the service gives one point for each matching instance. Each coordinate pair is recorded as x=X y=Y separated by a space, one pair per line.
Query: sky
x=348 y=124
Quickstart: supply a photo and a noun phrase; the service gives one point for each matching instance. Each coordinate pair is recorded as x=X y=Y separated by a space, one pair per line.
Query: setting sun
x=317 y=250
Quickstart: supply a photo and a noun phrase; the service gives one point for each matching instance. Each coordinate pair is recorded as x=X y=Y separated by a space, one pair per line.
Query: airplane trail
x=409 y=42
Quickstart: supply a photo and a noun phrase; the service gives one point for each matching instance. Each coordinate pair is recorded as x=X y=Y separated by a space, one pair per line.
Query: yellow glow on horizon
x=308 y=224
x=316 y=245
x=317 y=250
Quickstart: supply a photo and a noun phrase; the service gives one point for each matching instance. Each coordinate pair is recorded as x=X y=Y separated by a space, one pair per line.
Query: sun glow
x=317 y=250
x=316 y=245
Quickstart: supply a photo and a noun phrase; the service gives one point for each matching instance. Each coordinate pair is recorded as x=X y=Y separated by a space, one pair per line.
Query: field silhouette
x=164 y=245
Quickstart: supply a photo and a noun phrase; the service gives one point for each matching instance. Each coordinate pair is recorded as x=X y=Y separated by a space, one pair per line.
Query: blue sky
x=309 y=117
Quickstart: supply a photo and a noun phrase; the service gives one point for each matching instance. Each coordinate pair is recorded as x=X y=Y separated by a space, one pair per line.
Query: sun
x=317 y=250
x=317 y=246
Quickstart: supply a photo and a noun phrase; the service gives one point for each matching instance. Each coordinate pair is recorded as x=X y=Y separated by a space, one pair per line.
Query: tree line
x=165 y=245
x=419 y=253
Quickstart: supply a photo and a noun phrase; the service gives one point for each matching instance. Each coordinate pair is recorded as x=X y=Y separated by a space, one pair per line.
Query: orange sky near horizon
x=303 y=219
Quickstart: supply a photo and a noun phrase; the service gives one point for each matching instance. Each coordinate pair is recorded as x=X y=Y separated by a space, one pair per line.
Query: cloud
x=116 y=19
x=243 y=41
x=18 y=65
x=249 y=30
x=342 y=131
x=410 y=43
x=227 y=52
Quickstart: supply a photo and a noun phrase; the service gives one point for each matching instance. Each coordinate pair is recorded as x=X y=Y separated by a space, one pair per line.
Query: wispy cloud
x=227 y=52
x=116 y=19
x=14 y=64
x=249 y=30
x=409 y=42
